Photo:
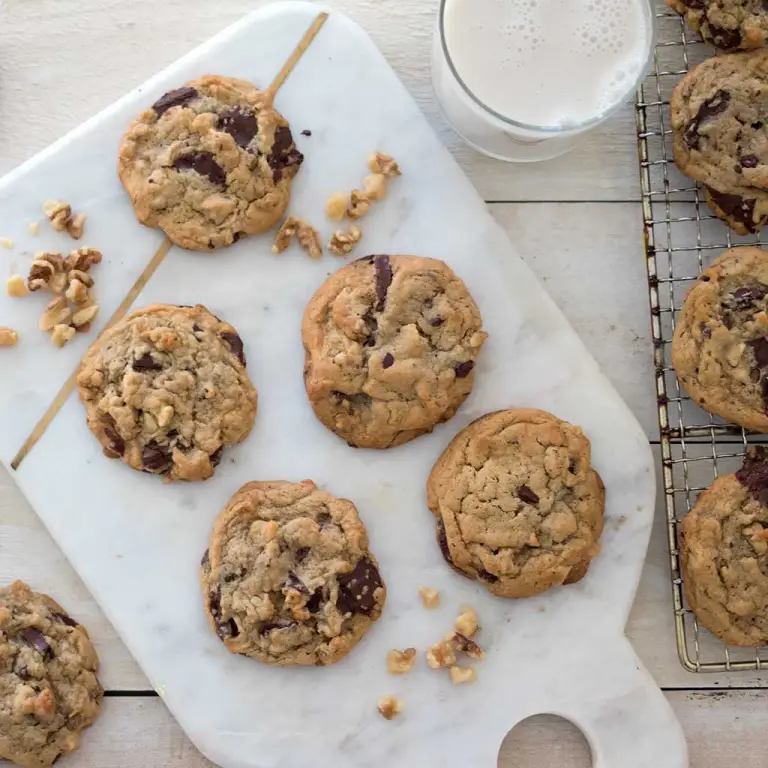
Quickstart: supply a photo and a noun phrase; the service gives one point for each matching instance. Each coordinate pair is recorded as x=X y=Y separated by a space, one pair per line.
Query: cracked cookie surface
x=727 y=24
x=49 y=691
x=724 y=554
x=720 y=344
x=166 y=391
x=391 y=344
x=518 y=506
x=720 y=127
x=288 y=578
x=209 y=163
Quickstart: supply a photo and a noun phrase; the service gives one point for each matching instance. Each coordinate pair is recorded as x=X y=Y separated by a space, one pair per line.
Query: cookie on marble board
x=720 y=133
x=391 y=345
x=519 y=507
x=166 y=391
x=724 y=554
x=49 y=691
x=210 y=162
x=720 y=344
x=288 y=577
x=730 y=25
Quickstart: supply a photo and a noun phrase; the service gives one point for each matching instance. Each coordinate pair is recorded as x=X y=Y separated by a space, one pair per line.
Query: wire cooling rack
x=681 y=238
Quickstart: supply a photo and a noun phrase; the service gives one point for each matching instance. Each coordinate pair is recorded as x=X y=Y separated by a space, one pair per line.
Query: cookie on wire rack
x=730 y=25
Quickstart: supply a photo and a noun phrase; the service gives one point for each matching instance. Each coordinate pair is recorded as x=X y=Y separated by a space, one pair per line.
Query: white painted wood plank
x=48 y=74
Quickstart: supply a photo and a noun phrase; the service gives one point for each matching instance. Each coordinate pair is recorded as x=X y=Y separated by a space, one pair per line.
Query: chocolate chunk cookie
x=724 y=554
x=518 y=506
x=48 y=686
x=288 y=578
x=720 y=345
x=720 y=127
x=166 y=391
x=391 y=344
x=209 y=163
x=727 y=24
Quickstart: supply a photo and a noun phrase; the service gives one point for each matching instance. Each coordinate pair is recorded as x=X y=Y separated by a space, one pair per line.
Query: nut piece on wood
x=57 y=313
x=336 y=206
x=62 y=334
x=82 y=259
x=430 y=598
x=460 y=675
x=400 y=662
x=16 y=287
x=389 y=707
x=343 y=243
x=8 y=337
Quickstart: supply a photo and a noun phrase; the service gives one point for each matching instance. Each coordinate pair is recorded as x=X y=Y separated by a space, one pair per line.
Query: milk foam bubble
x=549 y=62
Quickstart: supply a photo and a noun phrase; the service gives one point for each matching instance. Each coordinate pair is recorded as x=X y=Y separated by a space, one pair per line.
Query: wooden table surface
x=575 y=220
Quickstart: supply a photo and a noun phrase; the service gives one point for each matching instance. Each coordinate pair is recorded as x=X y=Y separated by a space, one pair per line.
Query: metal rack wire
x=681 y=238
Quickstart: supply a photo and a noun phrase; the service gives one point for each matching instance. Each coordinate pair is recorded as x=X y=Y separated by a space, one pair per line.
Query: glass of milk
x=523 y=80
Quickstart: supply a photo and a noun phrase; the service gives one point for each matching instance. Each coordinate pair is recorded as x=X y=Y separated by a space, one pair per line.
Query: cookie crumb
x=336 y=206
x=6 y=242
x=34 y=227
x=461 y=675
x=466 y=646
x=390 y=707
x=400 y=662
x=379 y=162
x=8 y=337
x=467 y=623
x=343 y=243
x=57 y=313
x=306 y=132
x=440 y=655
x=16 y=287
x=62 y=334
x=430 y=598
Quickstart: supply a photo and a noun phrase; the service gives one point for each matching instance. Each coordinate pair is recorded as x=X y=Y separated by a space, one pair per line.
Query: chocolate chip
x=383 y=278
x=572 y=466
x=235 y=343
x=711 y=107
x=147 y=363
x=753 y=474
x=224 y=629
x=302 y=554
x=215 y=457
x=739 y=208
x=745 y=298
x=489 y=577
x=65 y=619
x=316 y=601
x=464 y=369
x=436 y=322
x=36 y=639
x=306 y=132
x=203 y=163
x=116 y=443
x=294 y=582
x=757 y=125
x=527 y=495
x=279 y=624
x=205 y=561
x=284 y=153
x=694 y=3
x=727 y=322
x=442 y=540
x=196 y=328
x=240 y=124
x=727 y=39
x=324 y=519
x=387 y=361
x=357 y=588
x=760 y=351
x=156 y=457
x=175 y=98
x=749 y=161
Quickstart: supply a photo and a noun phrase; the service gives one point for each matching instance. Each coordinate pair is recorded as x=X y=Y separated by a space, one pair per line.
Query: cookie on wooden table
x=49 y=691
x=720 y=129
x=724 y=554
x=720 y=344
x=288 y=578
x=209 y=163
x=166 y=391
x=727 y=24
x=518 y=505
x=391 y=344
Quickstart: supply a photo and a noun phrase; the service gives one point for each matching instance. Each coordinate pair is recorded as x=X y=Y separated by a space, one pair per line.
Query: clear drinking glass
x=501 y=135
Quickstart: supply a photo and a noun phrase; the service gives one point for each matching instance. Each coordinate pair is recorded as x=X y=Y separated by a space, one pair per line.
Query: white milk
x=557 y=64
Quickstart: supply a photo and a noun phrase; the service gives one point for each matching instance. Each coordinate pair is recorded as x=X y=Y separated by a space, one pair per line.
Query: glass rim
x=551 y=129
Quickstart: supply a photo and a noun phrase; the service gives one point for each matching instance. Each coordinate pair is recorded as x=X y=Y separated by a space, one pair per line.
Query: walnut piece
x=62 y=334
x=82 y=320
x=343 y=243
x=379 y=162
x=466 y=646
x=47 y=272
x=375 y=186
x=285 y=235
x=430 y=598
x=16 y=287
x=460 y=675
x=359 y=204
x=82 y=259
x=76 y=225
x=309 y=239
x=390 y=707
x=400 y=662
x=6 y=242
x=8 y=337
x=77 y=291
x=467 y=623
x=57 y=313
x=441 y=655
x=60 y=215
x=336 y=206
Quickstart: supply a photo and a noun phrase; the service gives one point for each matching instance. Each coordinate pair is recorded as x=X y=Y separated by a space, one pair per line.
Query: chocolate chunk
x=116 y=443
x=727 y=39
x=306 y=132
x=284 y=153
x=442 y=540
x=753 y=474
x=203 y=163
x=302 y=553
x=316 y=601
x=175 y=98
x=215 y=457
x=224 y=629
x=205 y=561
x=727 y=322
x=745 y=298
x=156 y=457
x=694 y=3
x=235 y=343
x=387 y=361
x=240 y=124
x=294 y=582
x=64 y=619
x=383 y=278
x=436 y=322
x=147 y=363
x=749 y=161
x=711 y=107
x=464 y=369
x=324 y=519
x=739 y=208
x=36 y=639
x=760 y=351
x=279 y=624
x=356 y=588
x=572 y=466
x=527 y=495
x=489 y=577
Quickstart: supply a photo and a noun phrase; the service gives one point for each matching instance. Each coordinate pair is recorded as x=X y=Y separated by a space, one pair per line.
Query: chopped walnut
x=60 y=215
x=336 y=206
x=16 y=287
x=82 y=320
x=466 y=646
x=400 y=662
x=461 y=675
x=8 y=337
x=379 y=162
x=440 y=655
x=76 y=225
x=62 y=334
x=6 y=242
x=390 y=707
x=343 y=243
x=77 y=291
x=309 y=239
x=34 y=227
x=47 y=272
x=359 y=204
x=285 y=235
x=430 y=598
x=82 y=259
x=375 y=186
x=467 y=623
x=56 y=313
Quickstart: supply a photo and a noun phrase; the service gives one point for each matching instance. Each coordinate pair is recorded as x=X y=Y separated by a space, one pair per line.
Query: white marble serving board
x=137 y=542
